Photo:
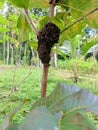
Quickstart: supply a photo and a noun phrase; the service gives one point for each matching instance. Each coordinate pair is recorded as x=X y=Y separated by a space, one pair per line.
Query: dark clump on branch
x=47 y=37
x=52 y=1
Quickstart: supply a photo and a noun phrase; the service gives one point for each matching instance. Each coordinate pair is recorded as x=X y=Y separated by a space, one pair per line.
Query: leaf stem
x=25 y=12
x=52 y=6
x=78 y=20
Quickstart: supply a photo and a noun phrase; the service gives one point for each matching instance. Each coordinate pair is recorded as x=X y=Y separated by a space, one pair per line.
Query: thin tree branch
x=25 y=12
x=79 y=20
x=52 y=6
x=17 y=85
x=14 y=75
x=23 y=79
x=4 y=96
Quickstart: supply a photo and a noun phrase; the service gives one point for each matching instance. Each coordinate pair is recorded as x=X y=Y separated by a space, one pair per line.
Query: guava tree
x=63 y=100
x=55 y=28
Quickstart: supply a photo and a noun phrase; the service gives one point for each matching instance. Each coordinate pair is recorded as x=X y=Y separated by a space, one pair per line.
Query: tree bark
x=38 y=70
x=44 y=80
x=8 y=51
x=46 y=67
x=12 y=56
x=4 y=52
x=55 y=58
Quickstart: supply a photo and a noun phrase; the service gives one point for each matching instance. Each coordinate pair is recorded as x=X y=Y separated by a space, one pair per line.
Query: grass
x=30 y=87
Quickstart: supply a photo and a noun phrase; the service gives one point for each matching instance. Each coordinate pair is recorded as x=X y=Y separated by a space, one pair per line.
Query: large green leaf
x=58 y=22
x=60 y=52
x=24 y=28
x=43 y=21
x=1 y=3
x=41 y=119
x=78 y=8
x=21 y=3
x=93 y=20
x=3 y=20
x=74 y=44
x=39 y=3
x=12 y=127
x=34 y=44
x=87 y=45
x=76 y=121
x=30 y=3
x=66 y=98
x=73 y=31
x=9 y=117
x=37 y=119
x=63 y=49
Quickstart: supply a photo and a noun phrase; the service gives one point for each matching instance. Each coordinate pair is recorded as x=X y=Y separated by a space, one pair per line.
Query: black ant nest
x=47 y=37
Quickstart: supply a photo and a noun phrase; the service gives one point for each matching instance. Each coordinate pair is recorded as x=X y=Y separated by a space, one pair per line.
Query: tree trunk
x=38 y=70
x=55 y=58
x=44 y=80
x=46 y=67
x=25 y=53
x=20 y=53
x=7 y=51
x=4 y=52
x=12 y=56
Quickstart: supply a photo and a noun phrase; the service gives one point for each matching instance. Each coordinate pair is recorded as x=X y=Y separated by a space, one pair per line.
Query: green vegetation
x=32 y=33
x=30 y=87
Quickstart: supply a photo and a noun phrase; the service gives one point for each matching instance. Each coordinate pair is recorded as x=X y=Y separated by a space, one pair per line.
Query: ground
x=23 y=83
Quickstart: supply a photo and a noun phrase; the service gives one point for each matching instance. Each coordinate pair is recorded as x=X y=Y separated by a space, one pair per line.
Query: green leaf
x=58 y=22
x=74 y=30
x=57 y=96
x=21 y=3
x=3 y=20
x=42 y=21
x=12 y=127
x=81 y=6
x=7 y=119
x=1 y=3
x=24 y=28
x=60 y=52
x=34 y=44
x=76 y=121
x=66 y=98
x=87 y=45
x=39 y=4
x=63 y=50
x=37 y=119
x=74 y=44
x=31 y=3
x=78 y=8
x=93 y=20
